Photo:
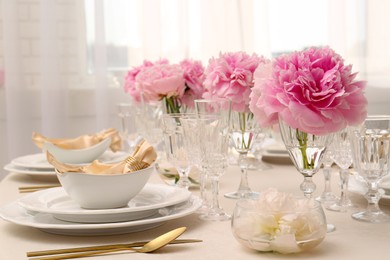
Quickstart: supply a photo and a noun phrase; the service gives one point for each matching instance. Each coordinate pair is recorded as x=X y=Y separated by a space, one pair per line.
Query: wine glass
x=327 y=197
x=192 y=134
x=342 y=156
x=371 y=154
x=176 y=146
x=214 y=123
x=306 y=151
x=129 y=132
x=244 y=131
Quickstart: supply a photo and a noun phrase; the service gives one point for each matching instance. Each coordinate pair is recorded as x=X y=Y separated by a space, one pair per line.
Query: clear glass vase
x=306 y=151
x=244 y=131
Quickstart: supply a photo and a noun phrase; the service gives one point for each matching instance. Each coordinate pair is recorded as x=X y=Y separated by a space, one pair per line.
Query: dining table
x=351 y=239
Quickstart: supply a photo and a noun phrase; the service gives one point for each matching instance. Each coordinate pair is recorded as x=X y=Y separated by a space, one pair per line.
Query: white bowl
x=78 y=156
x=94 y=191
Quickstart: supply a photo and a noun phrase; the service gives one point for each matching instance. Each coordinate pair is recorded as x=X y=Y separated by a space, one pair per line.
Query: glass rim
x=249 y=204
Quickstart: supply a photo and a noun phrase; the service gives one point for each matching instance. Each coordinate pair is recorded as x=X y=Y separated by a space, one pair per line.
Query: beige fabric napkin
x=143 y=156
x=83 y=141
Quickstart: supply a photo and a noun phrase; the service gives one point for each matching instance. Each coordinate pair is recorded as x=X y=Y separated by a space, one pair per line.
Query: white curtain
x=50 y=88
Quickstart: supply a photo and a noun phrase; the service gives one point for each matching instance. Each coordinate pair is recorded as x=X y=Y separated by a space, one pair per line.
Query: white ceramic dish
x=78 y=156
x=38 y=161
x=98 y=191
x=16 y=214
x=151 y=198
x=356 y=185
x=29 y=171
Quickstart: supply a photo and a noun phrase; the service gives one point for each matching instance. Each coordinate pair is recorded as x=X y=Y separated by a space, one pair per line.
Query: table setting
x=104 y=195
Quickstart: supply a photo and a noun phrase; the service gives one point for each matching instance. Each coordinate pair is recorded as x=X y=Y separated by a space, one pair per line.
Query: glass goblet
x=176 y=148
x=214 y=123
x=371 y=154
x=306 y=151
x=342 y=156
x=243 y=132
x=192 y=134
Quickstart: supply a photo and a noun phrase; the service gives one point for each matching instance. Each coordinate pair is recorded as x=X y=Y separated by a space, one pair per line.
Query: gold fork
x=135 y=165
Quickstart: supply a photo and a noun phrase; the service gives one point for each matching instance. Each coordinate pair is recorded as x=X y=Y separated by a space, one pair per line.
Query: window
x=135 y=30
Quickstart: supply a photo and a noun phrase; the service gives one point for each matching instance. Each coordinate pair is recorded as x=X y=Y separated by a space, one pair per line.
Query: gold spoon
x=149 y=247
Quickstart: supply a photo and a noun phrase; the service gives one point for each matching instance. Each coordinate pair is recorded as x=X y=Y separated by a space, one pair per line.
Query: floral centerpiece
x=130 y=85
x=175 y=84
x=312 y=90
x=230 y=76
x=312 y=94
x=193 y=72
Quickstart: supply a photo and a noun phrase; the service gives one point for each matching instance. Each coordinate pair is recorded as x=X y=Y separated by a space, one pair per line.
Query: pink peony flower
x=161 y=80
x=130 y=83
x=194 y=77
x=311 y=90
x=231 y=76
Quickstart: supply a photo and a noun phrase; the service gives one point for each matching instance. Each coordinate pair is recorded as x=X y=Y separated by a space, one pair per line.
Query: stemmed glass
x=306 y=151
x=371 y=154
x=327 y=197
x=244 y=131
x=192 y=134
x=176 y=147
x=214 y=123
x=129 y=132
x=342 y=156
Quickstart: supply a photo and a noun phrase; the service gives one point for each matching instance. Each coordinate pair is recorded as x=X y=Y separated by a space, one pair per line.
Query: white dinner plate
x=151 y=198
x=16 y=214
x=38 y=161
x=29 y=171
x=357 y=185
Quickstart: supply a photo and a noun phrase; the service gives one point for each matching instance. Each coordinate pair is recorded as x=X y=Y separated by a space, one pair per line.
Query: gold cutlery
x=25 y=189
x=146 y=247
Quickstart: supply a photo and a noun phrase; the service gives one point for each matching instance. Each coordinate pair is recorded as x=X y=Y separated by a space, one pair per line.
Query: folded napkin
x=81 y=142
x=143 y=156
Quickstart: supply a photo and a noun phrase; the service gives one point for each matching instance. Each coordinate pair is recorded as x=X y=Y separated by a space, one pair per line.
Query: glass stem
x=308 y=187
x=373 y=197
x=215 y=190
x=344 y=178
x=244 y=185
x=184 y=182
x=203 y=180
x=327 y=176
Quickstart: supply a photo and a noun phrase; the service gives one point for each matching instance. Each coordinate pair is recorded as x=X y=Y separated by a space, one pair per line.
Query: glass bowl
x=284 y=231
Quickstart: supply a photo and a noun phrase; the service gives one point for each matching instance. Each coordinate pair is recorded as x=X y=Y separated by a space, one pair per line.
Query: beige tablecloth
x=351 y=240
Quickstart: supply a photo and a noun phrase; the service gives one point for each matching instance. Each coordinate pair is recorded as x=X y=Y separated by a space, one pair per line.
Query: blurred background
x=62 y=62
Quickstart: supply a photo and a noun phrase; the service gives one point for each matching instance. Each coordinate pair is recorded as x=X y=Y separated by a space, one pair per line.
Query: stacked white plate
x=53 y=211
x=37 y=165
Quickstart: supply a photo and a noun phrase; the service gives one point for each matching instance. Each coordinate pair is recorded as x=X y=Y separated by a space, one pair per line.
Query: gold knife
x=102 y=247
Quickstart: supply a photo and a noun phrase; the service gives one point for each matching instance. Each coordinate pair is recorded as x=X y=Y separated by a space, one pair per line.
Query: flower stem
x=172 y=105
x=302 y=139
